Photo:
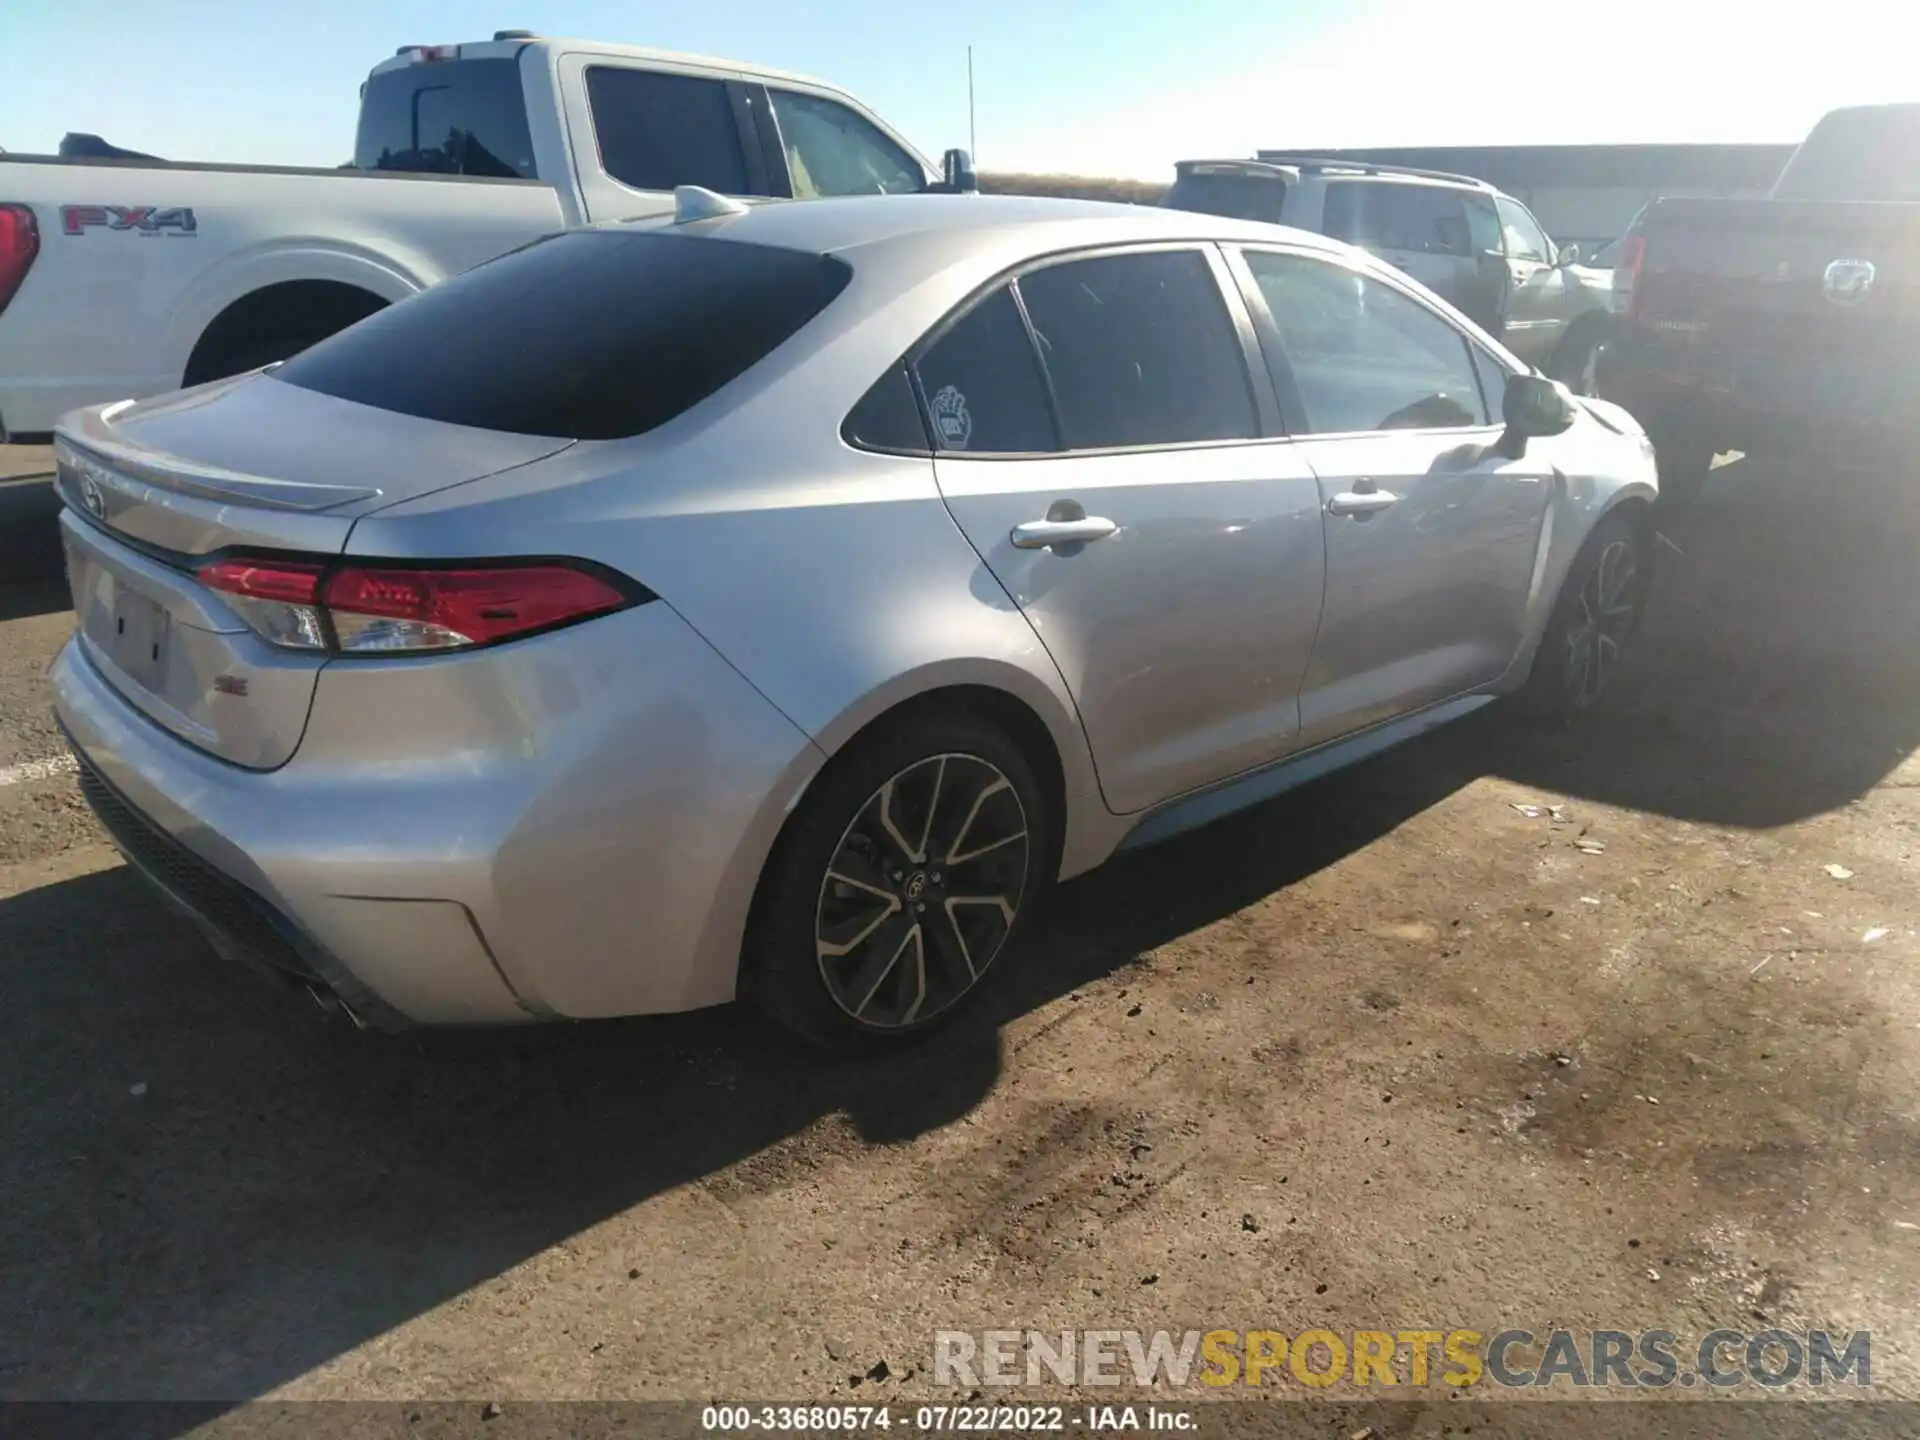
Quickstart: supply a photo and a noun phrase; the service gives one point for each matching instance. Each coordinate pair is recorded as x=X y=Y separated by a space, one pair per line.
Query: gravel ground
x=1389 y=1053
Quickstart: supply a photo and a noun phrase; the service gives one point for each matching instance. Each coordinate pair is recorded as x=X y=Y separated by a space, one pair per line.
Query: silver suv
x=1476 y=248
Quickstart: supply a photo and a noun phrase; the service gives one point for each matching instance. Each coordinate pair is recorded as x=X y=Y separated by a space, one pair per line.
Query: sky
x=1091 y=87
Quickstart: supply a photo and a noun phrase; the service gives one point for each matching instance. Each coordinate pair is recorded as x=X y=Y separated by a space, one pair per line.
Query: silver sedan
x=775 y=602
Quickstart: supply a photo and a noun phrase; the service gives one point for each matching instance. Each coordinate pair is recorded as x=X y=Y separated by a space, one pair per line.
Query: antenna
x=696 y=202
x=973 y=143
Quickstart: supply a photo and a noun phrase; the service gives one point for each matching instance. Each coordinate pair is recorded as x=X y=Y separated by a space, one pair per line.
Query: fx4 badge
x=144 y=219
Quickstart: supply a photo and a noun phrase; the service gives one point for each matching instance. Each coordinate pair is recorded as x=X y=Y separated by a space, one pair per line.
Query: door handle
x=1042 y=534
x=1361 y=502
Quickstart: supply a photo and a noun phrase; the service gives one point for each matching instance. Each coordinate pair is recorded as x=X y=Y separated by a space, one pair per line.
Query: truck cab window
x=657 y=130
x=831 y=150
x=464 y=117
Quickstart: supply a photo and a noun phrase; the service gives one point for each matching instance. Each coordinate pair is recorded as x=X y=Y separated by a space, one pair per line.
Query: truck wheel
x=276 y=323
x=265 y=353
x=909 y=867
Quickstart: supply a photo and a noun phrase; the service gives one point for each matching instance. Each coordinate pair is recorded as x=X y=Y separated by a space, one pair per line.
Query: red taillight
x=354 y=609
x=290 y=582
x=278 y=598
x=386 y=610
x=19 y=244
x=1626 y=272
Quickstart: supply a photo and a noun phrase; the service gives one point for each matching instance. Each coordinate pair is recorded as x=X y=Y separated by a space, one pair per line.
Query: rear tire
x=910 y=867
x=1596 y=615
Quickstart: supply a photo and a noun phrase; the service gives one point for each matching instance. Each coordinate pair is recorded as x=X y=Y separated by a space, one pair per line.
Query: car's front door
x=1109 y=446
x=1431 y=534
x=1537 y=305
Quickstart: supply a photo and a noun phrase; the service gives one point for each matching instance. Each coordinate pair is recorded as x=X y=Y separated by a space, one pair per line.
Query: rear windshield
x=592 y=335
x=451 y=117
x=1235 y=194
x=1872 y=153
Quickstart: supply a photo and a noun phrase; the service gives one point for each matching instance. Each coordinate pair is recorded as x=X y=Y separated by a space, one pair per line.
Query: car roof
x=1030 y=222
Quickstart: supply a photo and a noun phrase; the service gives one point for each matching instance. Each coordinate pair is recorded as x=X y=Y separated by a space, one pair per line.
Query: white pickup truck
x=128 y=277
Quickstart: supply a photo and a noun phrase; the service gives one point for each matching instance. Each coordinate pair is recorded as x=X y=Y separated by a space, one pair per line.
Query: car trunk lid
x=153 y=491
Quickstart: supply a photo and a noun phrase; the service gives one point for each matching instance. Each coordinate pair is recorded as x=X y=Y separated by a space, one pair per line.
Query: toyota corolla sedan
x=775 y=602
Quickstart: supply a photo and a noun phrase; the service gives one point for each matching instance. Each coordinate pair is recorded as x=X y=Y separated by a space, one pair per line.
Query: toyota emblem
x=1848 y=281
x=91 y=496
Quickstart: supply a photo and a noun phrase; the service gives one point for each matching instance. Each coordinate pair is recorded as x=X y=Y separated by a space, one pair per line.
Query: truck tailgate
x=1785 y=304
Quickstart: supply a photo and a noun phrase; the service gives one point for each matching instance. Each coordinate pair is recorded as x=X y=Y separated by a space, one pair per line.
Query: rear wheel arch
x=954 y=720
x=275 y=322
x=1009 y=713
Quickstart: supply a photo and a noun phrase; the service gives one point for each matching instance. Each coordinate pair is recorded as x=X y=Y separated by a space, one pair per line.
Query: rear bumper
x=237 y=923
x=570 y=826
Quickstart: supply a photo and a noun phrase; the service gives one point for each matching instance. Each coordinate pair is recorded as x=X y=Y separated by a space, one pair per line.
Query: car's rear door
x=1160 y=535
x=1420 y=230
x=1431 y=534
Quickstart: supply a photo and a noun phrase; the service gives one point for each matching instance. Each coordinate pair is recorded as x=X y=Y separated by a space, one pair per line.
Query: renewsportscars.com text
x=1367 y=1359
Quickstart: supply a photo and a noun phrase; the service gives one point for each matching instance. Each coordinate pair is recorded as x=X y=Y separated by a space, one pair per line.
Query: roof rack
x=1366 y=167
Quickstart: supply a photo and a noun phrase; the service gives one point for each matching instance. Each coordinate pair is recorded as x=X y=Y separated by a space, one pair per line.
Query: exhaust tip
x=331 y=1004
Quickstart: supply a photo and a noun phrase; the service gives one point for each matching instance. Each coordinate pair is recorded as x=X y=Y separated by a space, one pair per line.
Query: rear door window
x=1140 y=350
x=831 y=150
x=459 y=117
x=1423 y=219
x=590 y=335
x=657 y=130
x=983 y=386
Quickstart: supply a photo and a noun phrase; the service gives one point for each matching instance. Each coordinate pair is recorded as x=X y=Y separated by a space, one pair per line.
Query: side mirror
x=956 y=174
x=1569 y=255
x=1535 y=407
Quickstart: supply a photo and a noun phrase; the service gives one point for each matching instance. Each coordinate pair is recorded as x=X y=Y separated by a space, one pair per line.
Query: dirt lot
x=1389 y=1052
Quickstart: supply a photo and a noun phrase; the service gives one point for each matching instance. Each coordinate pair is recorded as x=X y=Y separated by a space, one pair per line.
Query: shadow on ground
x=29 y=531
x=285 y=1190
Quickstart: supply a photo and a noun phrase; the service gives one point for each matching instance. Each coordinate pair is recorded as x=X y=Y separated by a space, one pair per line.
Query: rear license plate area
x=136 y=637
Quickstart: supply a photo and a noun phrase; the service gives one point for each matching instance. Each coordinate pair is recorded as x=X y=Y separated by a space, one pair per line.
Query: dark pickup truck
x=1790 y=321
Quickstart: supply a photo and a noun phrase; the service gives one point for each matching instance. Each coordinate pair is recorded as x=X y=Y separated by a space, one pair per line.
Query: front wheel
x=904 y=875
x=1597 y=613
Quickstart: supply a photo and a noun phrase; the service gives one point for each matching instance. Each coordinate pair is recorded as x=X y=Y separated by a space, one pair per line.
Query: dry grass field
x=1076 y=187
